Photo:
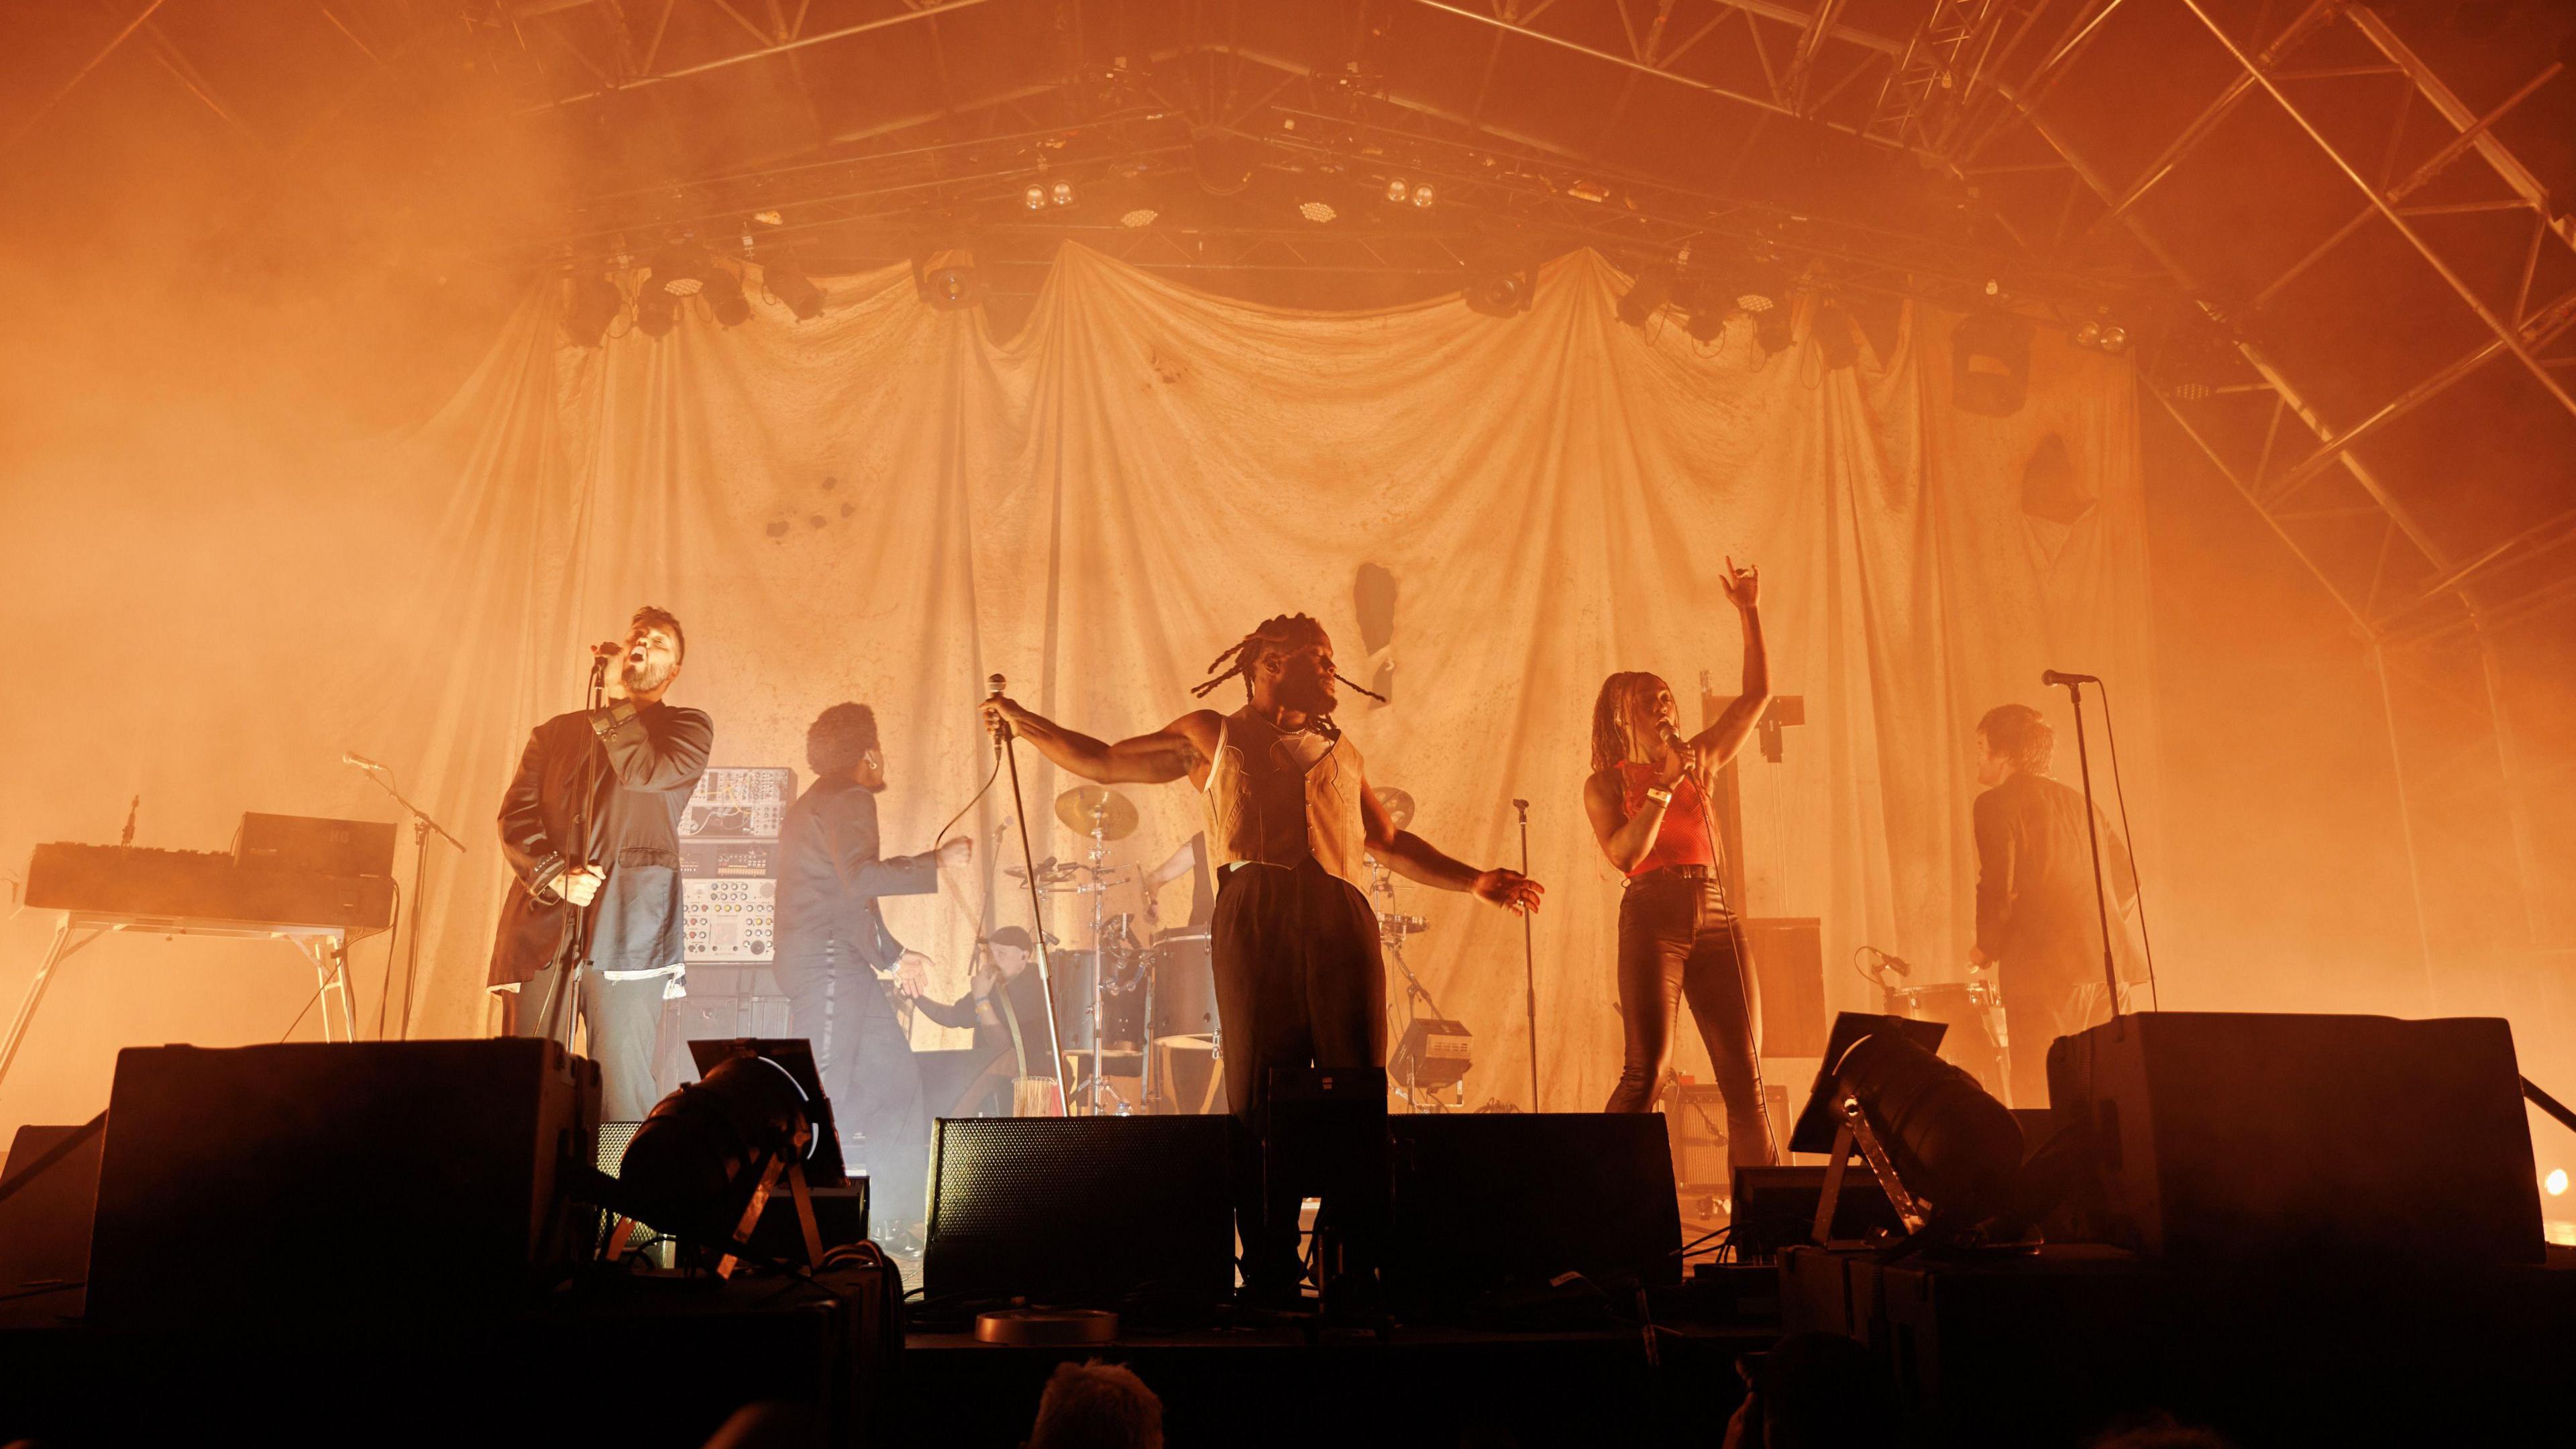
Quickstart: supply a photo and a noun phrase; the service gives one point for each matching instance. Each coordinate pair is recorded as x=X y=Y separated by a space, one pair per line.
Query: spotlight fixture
x=1500 y=291
x=1221 y=161
x=2101 y=335
x=1141 y=216
x=590 y=309
x=1706 y=303
x=945 y=277
x=723 y=293
x=1318 y=212
x=1035 y=198
x=1422 y=197
x=1648 y=294
x=656 y=311
x=1061 y=193
x=795 y=291
x=679 y=272
x=1947 y=1154
x=1396 y=190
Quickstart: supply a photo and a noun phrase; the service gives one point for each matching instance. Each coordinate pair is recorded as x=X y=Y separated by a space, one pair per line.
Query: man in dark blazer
x=591 y=831
x=832 y=943
x=2037 y=923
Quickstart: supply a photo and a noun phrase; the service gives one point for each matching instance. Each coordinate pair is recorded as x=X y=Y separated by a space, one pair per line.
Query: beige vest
x=1264 y=808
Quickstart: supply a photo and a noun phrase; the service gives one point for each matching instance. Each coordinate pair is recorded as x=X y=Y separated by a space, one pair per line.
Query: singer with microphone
x=2039 y=924
x=1294 y=945
x=1678 y=934
x=591 y=830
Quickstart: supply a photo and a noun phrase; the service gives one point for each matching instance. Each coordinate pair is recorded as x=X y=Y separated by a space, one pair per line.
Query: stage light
x=680 y=273
x=2556 y=1182
x=1396 y=190
x=1422 y=195
x=1221 y=161
x=725 y=301
x=1141 y=216
x=1035 y=198
x=656 y=311
x=1318 y=212
x=1061 y=193
x=1990 y=362
x=1648 y=294
x=946 y=278
x=795 y=291
x=1706 y=305
x=2115 y=338
x=1948 y=1154
x=2101 y=335
x=1500 y=291
x=694 y=1163
x=591 y=309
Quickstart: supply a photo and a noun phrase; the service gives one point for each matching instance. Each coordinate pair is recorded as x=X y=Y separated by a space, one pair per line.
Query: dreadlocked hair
x=1279 y=634
x=1612 y=740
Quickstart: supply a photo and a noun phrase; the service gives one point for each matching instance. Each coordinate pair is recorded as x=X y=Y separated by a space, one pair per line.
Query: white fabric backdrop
x=888 y=502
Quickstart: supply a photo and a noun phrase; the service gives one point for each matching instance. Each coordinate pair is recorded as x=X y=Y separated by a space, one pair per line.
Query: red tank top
x=1683 y=839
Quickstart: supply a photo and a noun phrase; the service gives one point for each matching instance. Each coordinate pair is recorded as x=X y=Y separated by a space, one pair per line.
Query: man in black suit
x=2037 y=923
x=832 y=942
x=591 y=831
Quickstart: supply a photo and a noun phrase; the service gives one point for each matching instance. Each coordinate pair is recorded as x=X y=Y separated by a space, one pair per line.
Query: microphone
x=606 y=649
x=362 y=762
x=1897 y=964
x=2052 y=676
x=1001 y=727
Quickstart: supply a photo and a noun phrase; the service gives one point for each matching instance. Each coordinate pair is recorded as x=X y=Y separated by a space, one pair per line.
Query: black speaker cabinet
x=1492 y=1200
x=48 y=1192
x=2231 y=1135
x=305 y=1178
x=1079 y=1210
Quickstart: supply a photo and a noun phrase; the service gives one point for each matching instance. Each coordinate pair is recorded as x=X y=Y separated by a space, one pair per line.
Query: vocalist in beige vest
x=1291 y=819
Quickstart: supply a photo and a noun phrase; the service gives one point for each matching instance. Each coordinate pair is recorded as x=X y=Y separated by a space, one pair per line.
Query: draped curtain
x=889 y=502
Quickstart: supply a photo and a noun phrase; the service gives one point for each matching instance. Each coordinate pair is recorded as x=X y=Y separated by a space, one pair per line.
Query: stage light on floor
x=1648 y=294
x=1947 y=1154
x=725 y=301
x=1034 y=198
x=1318 y=212
x=591 y=309
x=794 y=290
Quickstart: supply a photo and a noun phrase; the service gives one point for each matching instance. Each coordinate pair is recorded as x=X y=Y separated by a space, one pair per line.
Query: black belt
x=1676 y=872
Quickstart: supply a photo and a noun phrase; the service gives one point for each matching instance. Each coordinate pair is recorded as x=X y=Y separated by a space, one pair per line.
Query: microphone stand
x=1529 y=958
x=421 y=827
x=2093 y=838
x=1002 y=737
x=576 y=944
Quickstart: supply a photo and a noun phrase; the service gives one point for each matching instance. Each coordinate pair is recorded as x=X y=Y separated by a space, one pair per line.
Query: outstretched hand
x=1743 y=585
x=1509 y=889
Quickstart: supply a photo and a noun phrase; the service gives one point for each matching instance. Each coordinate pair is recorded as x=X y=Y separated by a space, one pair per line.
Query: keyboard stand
x=327 y=947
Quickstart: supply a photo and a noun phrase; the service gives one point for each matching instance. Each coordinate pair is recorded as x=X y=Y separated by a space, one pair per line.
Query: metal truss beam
x=764 y=45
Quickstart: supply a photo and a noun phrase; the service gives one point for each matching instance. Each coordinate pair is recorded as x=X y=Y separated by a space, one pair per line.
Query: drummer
x=1005 y=1004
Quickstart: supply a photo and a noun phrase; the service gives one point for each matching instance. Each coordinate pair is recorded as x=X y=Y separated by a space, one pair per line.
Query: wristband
x=1660 y=797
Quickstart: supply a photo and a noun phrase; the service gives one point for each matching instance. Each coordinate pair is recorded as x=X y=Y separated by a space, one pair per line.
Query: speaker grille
x=1079 y=1209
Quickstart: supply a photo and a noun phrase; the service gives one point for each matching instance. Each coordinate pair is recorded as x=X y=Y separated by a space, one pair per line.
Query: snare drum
x=1972 y=1010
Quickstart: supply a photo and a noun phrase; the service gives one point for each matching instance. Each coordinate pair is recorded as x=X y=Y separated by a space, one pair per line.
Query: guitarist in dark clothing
x=832 y=942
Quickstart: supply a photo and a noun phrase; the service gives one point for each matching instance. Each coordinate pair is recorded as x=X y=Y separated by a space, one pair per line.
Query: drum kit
x=1134 y=997
x=1431 y=1051
x=1973 y=1010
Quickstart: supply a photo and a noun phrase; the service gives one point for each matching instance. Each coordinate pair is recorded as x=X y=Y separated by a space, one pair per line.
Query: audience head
x=1823 y=1391
x=1097 y=1405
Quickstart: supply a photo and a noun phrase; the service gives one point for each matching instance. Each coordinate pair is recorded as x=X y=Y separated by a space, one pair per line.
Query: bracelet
x=1660 y=797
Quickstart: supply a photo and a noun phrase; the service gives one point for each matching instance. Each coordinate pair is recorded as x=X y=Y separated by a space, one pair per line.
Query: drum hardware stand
x=1098 y=857
x=421 y=827
x=1392 y=929
x=1002 y=736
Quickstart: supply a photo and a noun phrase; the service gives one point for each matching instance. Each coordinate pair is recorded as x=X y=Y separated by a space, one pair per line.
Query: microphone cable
x=2111 y=737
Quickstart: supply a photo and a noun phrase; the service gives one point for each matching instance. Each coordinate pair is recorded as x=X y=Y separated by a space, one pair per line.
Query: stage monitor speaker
x=1490 y=1201
x=1774 y=1208
x=48 y=1192
x=2228 y=1135
x=1079 y=1210
x=303 y=1179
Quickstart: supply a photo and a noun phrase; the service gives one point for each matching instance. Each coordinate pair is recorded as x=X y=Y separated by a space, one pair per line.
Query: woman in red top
x=1677 y=932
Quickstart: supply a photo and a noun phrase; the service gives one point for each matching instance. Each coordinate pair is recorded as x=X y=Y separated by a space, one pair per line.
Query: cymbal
x=1399 y=805
x=1075 y=807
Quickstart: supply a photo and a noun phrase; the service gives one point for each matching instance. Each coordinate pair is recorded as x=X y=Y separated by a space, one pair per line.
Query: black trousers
x=2042 y=984
x=1299 y=983
x=1677 y=940
x=868 y=1072
x=623 y=1022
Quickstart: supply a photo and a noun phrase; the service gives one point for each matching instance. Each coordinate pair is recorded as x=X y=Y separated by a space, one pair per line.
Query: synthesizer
x=205 y=888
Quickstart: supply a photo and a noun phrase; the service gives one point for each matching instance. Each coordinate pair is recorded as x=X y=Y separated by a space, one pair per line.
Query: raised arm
x=1414 y=858
x=1170 y=753
x=1718 y=743
x=667 y=753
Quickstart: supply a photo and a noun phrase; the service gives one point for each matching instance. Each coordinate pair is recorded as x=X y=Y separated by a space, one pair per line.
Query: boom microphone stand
x=2092 y=828
x=1529 y=958
x=421 y=828
x=1002 y=737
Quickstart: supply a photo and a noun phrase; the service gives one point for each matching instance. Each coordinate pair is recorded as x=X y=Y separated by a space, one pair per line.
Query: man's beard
x=644 y=678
